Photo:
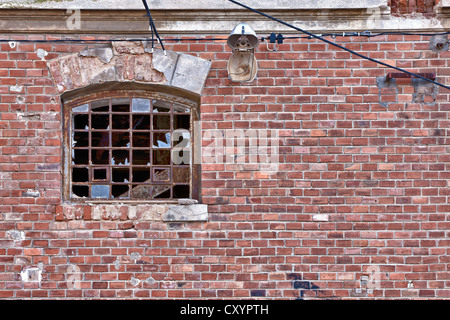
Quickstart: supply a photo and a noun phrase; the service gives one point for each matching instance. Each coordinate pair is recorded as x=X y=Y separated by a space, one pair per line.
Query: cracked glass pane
x=100 y=191
x=140 y=105
x=82 y=108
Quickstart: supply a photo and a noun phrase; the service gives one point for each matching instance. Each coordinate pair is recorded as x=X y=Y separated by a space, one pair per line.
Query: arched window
x=129 y=145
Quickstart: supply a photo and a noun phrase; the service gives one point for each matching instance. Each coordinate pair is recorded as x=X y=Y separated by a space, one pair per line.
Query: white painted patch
x=320 y=217
x=16 y=88
x=41 y=53
x=31 y=275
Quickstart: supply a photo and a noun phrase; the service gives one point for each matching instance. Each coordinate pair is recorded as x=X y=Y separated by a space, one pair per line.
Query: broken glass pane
x=80 y=156
x=161 y=157
x=100 y=106
x=141 y=122
x=181 y=174
x=100 y=191
x=100 y=121
x=81 y=122
x=121 y=139
x=100 y=139
x=120 y=175
x=162 y=192
x=140 y=105
x=121 y=105
x=121 y=122
x=80 y=175
x=141 y=157
x=100 y=156
x=80 y=192
x=141 y=139
x=161 y=106
x=141 y=174
x=82 y=108
x=120 y=191
x=161 y=122
x=161 y=175
x=181 y=121
x=180 y=109
x=141 y=192
x=121 y=157
x=161 y=140
x=181 y=192
x=80 y=139
x=100 y=174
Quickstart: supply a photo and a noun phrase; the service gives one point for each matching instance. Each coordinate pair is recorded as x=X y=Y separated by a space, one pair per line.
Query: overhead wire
x=367 y=34
x=338 y=46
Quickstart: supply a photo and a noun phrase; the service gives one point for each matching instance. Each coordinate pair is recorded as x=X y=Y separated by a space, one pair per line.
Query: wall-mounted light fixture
x=242 y=65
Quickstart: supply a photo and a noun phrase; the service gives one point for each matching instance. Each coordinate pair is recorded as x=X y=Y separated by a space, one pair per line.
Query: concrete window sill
x=185 y=212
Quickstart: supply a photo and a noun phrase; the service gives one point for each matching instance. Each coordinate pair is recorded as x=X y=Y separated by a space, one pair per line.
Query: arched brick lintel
x=129 y=62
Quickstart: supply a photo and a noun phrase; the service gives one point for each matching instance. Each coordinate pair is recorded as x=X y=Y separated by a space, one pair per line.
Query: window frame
x=82 y=98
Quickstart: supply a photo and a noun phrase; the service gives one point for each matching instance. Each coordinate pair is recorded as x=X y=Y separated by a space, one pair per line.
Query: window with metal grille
x=131 y=145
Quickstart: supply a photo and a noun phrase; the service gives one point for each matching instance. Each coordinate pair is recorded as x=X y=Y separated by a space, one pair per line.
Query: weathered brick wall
x=358 y=207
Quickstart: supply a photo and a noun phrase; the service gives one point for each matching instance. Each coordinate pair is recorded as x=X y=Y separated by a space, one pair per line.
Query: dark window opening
x=129 y=148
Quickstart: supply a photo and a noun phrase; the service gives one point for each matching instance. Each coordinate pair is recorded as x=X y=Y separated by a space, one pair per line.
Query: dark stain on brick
x=303 y=285
x=258 y=293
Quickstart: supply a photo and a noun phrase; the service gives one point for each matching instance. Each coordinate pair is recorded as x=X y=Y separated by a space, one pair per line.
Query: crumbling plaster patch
x=126 y=61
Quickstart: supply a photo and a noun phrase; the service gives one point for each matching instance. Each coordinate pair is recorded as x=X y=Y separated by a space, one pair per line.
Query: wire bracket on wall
x=276 y=40
x=153 y=28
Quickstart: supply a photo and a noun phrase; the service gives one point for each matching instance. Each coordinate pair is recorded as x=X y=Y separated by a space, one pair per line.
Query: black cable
x=349 y=34
x=152 y=26
x=339 y=46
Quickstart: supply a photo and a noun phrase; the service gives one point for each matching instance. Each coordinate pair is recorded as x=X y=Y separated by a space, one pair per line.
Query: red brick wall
x=361 y=192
